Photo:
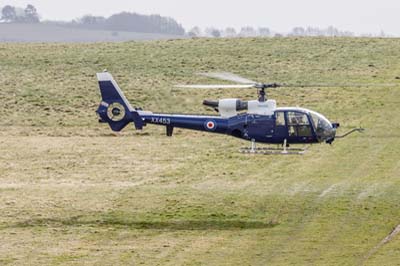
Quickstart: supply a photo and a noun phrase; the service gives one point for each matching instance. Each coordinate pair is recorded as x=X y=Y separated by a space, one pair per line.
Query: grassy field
x=73 y=193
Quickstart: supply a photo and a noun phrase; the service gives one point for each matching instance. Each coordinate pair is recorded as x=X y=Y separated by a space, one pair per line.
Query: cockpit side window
x=297 y=119
x=298 y=124
x=280 y=119
x=320 y=124
x=315 y=119
x=322 y=127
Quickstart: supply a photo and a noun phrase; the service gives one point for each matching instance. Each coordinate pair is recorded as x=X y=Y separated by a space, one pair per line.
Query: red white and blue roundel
x=210 y=125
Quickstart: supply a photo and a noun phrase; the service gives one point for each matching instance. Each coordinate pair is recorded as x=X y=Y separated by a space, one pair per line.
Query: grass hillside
x=73 y=193
x=23 y=32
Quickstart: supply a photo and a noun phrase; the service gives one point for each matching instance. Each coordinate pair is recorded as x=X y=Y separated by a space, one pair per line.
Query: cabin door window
x=298 y=125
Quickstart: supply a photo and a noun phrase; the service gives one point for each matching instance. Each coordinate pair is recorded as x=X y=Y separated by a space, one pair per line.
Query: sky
x=359 y=16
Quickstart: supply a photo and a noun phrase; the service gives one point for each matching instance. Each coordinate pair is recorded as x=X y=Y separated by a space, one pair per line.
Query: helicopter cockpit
x=301 y=121
x=323 y=128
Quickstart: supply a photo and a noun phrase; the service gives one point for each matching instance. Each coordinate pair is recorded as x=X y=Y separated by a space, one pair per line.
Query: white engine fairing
x=227 y=107
x=262 y=108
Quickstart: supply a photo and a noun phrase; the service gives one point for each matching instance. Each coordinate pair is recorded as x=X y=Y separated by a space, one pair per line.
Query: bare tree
x=230 y=32
x=194 y=32
x=313 y=31
x=247 y=32
x=382 y=34
x=264 y=31
x=213 y=32
x=298 y=31
x=332 y=31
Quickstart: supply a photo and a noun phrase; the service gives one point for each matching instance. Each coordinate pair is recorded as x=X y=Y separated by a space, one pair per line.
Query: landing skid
x=270 y=151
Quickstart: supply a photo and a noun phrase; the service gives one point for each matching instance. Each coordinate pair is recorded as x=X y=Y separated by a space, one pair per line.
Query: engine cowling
x=262 y=108
x=227 y=107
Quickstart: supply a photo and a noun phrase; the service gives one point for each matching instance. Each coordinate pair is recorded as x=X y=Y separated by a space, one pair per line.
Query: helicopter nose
x=330 y=135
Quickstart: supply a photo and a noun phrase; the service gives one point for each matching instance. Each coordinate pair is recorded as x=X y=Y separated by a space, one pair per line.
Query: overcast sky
x=360 y=16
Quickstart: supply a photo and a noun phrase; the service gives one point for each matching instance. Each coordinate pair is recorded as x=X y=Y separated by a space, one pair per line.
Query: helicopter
x=258 y=121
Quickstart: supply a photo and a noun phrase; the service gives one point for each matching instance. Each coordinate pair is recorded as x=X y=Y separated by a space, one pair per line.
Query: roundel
x=210 y=125
x=116 y=112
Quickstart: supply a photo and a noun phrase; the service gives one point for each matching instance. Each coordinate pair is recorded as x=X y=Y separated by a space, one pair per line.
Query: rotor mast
x=262 y=95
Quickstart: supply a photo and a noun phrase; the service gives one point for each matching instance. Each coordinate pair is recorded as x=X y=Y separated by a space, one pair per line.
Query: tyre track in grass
x=309 y=209
x=365 y=192
x=310 y=212
x=386 y=240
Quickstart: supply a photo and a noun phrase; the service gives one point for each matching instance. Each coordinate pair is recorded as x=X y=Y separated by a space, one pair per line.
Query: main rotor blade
x=366 y=85
x=238 y=86
x=228 y=76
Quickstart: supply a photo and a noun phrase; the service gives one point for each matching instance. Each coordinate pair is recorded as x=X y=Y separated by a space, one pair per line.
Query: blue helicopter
x=258 y=121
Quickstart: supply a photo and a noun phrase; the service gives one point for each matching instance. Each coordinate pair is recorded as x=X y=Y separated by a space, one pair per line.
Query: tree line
x=134 y=22
x=124 y=21
x=248 y=31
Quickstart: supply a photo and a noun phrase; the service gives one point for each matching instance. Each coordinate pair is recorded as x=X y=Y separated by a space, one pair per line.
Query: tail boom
x=213 y=124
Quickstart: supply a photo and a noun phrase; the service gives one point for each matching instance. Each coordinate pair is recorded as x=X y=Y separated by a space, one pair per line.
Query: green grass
x=73 y=193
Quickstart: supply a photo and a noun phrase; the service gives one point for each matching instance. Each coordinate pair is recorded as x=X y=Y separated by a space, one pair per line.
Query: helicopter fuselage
x=295 y=125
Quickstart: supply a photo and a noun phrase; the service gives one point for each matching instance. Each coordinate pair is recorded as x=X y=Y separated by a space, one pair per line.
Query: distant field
x=73 y=193
x=50 y=33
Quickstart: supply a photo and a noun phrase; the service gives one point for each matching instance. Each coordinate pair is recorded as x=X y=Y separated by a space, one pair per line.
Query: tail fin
x=115 y=108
